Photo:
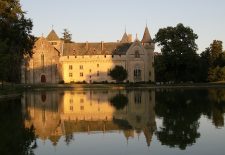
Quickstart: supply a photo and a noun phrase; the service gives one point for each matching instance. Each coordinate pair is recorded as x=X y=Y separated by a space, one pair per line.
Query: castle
x=55 y=60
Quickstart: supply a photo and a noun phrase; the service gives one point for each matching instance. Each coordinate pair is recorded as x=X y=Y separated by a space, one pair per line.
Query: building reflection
x=65 y=113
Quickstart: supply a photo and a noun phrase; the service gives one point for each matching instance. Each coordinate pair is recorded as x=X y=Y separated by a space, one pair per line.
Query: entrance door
x=43 y=79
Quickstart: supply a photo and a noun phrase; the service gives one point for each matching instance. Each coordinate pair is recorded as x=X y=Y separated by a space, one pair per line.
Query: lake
x=114 y=122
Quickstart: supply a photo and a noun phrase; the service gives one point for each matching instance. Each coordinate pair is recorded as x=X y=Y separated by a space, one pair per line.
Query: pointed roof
x=52 y=36
x=146 y=37
x=125 y=38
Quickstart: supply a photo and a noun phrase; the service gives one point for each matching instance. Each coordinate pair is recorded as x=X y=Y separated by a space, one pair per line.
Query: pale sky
x=105 y=20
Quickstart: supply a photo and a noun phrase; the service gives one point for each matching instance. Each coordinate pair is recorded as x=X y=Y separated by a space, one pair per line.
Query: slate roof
x=70 y=49
x=52 y=36
x=146 y=37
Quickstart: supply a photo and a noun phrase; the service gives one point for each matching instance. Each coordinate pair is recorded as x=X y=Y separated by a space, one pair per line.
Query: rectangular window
x=81 y=74
x=81 y=66
x=90 y=70
x=70 y=67
x=71 y=100
x=81 y=100
x=97 y=73
x=71 y=108
x=97 y=65
x=70 y=74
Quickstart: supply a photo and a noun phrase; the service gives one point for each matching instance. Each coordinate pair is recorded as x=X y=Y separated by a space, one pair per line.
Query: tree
x=179 y=55
x=213 y=62
x=118 y=73
x=216 y=49
x=16 y=40
x=67 y=36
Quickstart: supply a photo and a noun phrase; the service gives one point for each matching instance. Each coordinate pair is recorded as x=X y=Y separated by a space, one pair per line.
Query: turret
x=147 y=40
x=127 y=38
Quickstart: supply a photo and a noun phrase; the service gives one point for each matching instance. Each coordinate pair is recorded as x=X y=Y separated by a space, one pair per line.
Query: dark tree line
x=179 y=61
x=16 y=40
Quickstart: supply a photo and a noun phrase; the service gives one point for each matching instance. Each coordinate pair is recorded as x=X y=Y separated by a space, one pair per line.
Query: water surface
x=128 y=122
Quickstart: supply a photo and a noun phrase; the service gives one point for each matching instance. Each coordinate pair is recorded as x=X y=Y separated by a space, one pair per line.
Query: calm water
x=111 y=122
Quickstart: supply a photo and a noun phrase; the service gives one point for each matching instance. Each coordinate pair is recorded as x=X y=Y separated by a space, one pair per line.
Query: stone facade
x=55 y=60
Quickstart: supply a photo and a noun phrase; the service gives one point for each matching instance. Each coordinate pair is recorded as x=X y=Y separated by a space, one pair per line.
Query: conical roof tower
x=146 y=37
x=125 y=38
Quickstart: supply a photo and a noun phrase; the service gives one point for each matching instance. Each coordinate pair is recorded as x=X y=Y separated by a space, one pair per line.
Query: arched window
x=42 y=61
x=43 y=79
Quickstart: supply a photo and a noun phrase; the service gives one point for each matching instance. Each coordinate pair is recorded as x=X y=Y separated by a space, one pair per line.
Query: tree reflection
x=217 y=98
x=15 y=138
x=181 y=111
x=119 y=101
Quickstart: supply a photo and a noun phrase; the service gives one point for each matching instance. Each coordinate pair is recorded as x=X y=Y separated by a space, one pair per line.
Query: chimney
x=86 y=46
x=102 y=45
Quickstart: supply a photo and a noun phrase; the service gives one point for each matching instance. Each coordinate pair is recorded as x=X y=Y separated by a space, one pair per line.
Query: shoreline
x=10 y=91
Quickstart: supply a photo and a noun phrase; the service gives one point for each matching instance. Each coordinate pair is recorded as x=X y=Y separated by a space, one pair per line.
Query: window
x=149 y=73
x=137 y=74
x=70 y=67
x=71 y=100
x=81 y=66
x=90 y=70
x=54 y=43
x=42 y=61
x=137 y=54
x=81 y=107
x=97 y=73
x=81 y=100
x=71 y=108
x=81 y=74
x=70 y=74
x=97 y=65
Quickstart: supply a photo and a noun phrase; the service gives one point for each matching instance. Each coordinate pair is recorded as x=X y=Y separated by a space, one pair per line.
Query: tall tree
x=67 y=36
x=179 y=55
x=16 y=40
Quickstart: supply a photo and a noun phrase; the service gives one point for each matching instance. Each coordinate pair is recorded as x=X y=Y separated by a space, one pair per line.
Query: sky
x=106 y=20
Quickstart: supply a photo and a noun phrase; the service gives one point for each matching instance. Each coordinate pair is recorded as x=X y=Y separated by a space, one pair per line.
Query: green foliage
x=118 y=73
x=179 y=60
x=67 y=36
x=213 y=62
x=16 y=40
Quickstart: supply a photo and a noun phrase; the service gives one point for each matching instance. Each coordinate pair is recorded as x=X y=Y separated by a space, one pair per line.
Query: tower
x=149 y=47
